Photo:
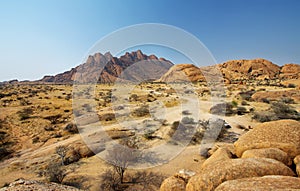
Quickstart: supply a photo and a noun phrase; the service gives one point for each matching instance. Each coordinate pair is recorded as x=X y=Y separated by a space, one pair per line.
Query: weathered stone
x=221 y=154
x=22 y=184
x=218 y=172
x=266 y=183
x=281 y=134
x=272 y=153
x=173 y=183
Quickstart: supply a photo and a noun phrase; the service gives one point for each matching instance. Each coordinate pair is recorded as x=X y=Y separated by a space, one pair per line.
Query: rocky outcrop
x=22 y=184
x=276 y=95
x=213 y=175
x=134 y=66
x=234 y=70
x=290 y=71
x=281 y=134
x=266 y=183
x=222 y=154
x=183 y=73
x=227 y=146
x=178 y=181
x=173 y=183
x=272 y=153
x=256 y=69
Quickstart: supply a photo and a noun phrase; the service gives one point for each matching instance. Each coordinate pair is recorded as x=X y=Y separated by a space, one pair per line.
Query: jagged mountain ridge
x=134 y=66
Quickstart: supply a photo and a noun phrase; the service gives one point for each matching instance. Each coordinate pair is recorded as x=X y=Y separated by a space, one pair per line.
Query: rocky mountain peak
x=107 y=68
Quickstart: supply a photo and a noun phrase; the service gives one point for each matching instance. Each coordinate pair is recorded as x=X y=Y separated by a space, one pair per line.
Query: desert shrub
x=241 y=110
x=133 y=97
x=141 y=111
x=24 y=102
x=54 y=172
x=6 y=184
x=234 y=103
x=77 y=112
x=247 y=95
x=35 y=139
x=180 y=131
x=144 y=180
x=71 y=128
x=25 y=113
x=77 y=182
x=73 y=155
x=3 y=152
x=149 y=135
x=186 y=112
x=107 y=117
x=147 y=179
x=68 y=97
x=278 y=110
x=3 y=136
x=87 y=107
x=291 y=85
x=187 y=120
x=49 y=128
x=265 y=100
x=54 y=119
x=244 y=103
x=222 y=108
x=174 y=127
x=284 y=111
x=264 y=116
x=110 y=180
x=164 y=122
x=287 y=100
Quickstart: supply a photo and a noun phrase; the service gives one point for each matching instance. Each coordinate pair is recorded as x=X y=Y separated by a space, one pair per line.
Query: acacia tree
x=120 y=157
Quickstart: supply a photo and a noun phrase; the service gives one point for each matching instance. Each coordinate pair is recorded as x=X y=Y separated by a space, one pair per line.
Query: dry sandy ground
x=91 y=168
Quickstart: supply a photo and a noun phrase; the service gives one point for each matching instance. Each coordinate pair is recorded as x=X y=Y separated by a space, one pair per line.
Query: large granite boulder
x=215 y=174
x=272 y=153
x=281 y=134
x=266 y=183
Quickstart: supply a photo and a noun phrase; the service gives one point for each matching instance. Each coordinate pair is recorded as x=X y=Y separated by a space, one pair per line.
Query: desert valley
x=144 y=123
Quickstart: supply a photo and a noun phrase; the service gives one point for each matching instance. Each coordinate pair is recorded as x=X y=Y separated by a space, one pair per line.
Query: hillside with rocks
x=234 y=71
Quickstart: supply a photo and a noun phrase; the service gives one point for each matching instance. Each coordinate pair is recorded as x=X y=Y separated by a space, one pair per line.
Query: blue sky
x=51 y=36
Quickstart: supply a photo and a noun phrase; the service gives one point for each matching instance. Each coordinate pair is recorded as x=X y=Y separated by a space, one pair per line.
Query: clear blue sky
x=51 y=36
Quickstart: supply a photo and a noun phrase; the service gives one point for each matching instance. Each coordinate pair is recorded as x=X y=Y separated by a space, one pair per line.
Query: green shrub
x=234 y=103
x=278 y=110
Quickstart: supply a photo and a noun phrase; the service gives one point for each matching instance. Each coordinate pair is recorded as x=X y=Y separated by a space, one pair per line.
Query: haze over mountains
x=138 y=67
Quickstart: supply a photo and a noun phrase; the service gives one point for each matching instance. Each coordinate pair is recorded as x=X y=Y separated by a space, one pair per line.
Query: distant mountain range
x=138 y=67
